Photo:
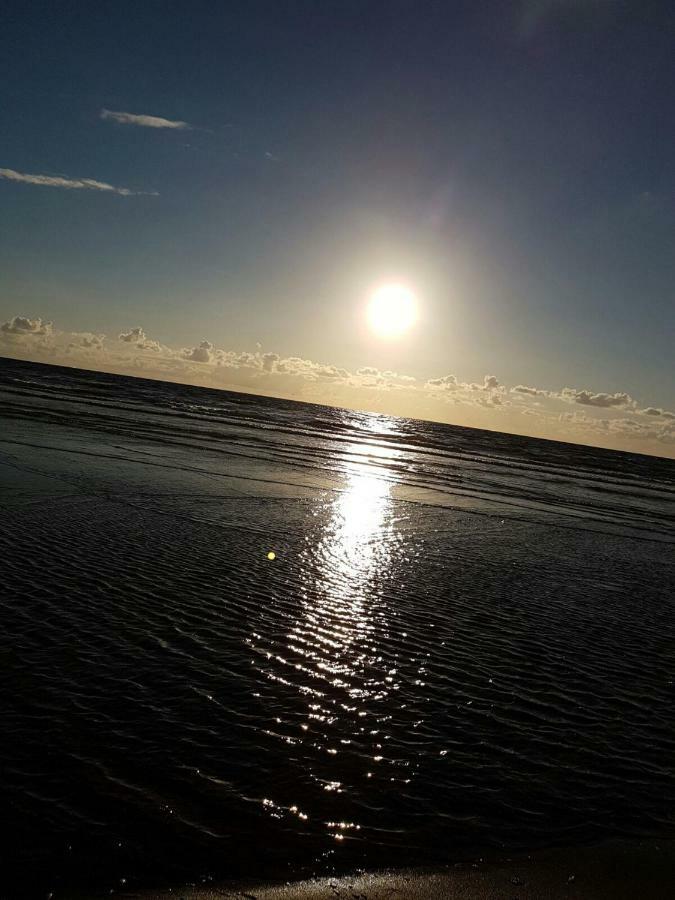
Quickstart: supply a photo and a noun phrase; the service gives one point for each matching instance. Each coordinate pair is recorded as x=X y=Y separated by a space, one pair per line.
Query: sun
x=392 y=310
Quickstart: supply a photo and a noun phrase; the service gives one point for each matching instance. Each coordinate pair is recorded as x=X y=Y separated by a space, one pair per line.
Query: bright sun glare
x=392 y=310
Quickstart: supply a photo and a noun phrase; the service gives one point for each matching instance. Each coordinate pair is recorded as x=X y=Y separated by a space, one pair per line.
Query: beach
x=252 y=639
x=617 y=872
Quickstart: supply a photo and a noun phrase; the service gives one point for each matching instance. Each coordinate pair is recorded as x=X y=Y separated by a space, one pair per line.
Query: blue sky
x=511 y=161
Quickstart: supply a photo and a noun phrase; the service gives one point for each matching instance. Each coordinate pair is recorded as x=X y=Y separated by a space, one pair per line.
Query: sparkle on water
x=331 y=655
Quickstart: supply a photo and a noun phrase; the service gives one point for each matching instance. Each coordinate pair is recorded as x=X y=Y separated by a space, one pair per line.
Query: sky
x=210 y=193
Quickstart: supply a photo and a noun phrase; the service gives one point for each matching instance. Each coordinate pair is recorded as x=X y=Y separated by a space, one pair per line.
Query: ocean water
x=464 y=644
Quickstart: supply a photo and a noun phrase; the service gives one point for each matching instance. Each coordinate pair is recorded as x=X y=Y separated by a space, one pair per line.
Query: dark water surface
x=466 y=640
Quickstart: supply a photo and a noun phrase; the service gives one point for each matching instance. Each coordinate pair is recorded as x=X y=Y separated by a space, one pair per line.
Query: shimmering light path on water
x=332 y=653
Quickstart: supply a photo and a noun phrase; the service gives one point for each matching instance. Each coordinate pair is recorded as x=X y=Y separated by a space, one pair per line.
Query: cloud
x=596 y=418
x=85 y=340
x=450 y=383
x=663 y=432
x=305 y=368
x=533 y=391
x=389 y=376
x=600 y=400
x=232 y=359
x=371 y=377
x=488 y=394
x=656 y=411
x=78 y=184
x=269 y=361
x=490 y=383
x=260 y=363
x=140 y=339
x=202 y=353
x=446 y=383
x=587 y=426
x=588 y=398
x=126 y=118
x=22 y=326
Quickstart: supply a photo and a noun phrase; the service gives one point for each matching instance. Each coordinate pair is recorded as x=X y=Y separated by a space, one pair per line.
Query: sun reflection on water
x=333 y=648
x=354 y=533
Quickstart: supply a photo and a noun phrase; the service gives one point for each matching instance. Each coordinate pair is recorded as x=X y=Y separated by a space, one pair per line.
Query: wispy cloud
x=81 y=184
x=126 y=118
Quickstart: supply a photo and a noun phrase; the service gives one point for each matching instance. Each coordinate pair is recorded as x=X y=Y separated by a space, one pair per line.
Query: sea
x=250 y=637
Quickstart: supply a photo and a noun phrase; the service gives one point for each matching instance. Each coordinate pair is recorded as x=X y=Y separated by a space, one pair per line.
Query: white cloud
x=446 y=383
x=202 y=353
x=485 y=394
x=126 y=118
x=262 y=364
x=306 y=368
x=532 y=391
x=450 y=383
x=22 y=326
x=77 y=184
x=588 y=398
x=140 y=339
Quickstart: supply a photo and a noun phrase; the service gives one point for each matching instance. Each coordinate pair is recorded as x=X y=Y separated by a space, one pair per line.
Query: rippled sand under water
x=464 y=643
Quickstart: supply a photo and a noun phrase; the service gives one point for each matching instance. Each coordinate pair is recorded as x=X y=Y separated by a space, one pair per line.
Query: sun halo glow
x=392 y=310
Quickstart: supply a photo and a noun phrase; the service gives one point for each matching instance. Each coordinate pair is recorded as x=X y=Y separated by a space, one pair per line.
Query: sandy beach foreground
x=616 y=871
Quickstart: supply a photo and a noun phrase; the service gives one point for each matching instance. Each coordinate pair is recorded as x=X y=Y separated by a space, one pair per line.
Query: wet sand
x=617 y=871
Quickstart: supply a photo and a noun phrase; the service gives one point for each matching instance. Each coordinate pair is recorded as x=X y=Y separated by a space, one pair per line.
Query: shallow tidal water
x=465 y=640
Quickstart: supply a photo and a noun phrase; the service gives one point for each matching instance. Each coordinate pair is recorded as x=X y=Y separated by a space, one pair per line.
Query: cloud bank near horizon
x=609 y=419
